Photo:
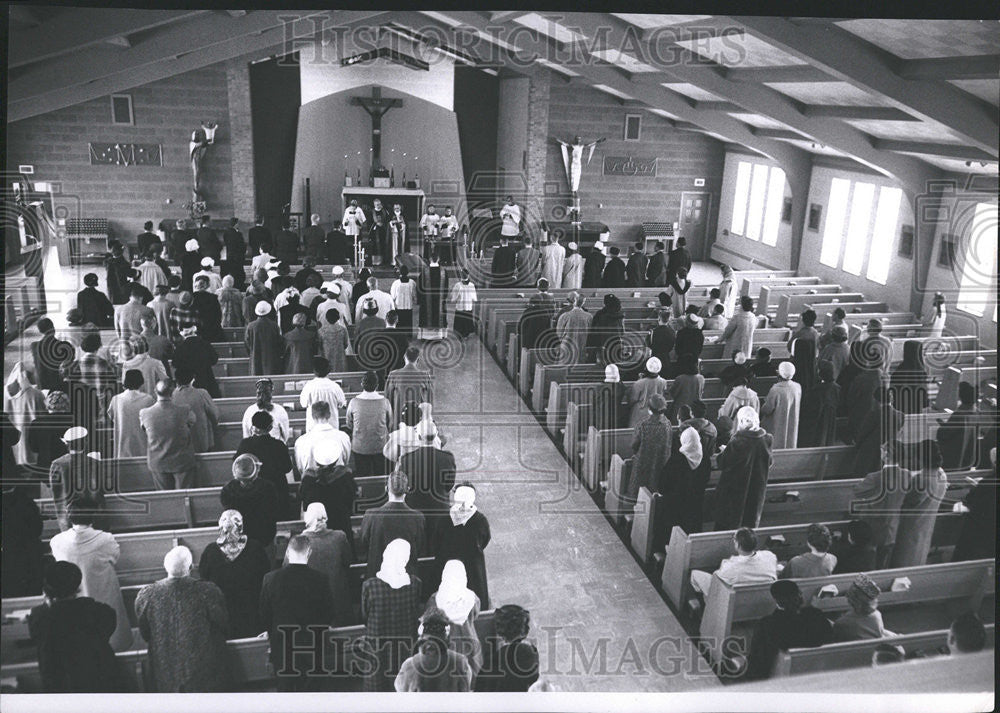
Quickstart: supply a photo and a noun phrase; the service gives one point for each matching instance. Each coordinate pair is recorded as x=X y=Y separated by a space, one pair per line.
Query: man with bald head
x=170 y=450
x=383 y=300
x=184 y=622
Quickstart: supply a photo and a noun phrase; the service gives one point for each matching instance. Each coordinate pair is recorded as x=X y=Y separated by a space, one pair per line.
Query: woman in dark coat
x=21 y=566
x=978 y=539
x=197 y=354
x=880 y=426
x=72 y=635
x=745 y=463
x=847 y=375
x=859 y=397
x=818 y=413
x=909 y=380
x=118 y=277
x=957 y=437
x=605 y=330
x=608 y=398
x=510 y=664
x=693 y=467
x=236 y=565
x=651 y=441
x=333 y=485
x=463 y=537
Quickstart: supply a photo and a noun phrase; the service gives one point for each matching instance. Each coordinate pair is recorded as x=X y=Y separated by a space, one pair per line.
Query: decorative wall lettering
x=629 y=166
x=122 y=154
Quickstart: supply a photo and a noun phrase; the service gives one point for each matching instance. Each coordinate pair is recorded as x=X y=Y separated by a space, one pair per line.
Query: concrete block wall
x=57 y=144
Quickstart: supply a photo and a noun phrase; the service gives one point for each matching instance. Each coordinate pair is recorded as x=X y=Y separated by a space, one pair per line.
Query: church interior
x=622 y=353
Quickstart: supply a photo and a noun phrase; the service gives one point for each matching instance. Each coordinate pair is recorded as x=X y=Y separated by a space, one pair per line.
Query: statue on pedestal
x=572 y=154
x=200 y=141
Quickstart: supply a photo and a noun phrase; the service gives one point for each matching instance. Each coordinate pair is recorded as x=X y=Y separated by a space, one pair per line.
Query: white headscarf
x=786 y=370
x=747 y=419
x=611 y=374
x=454 y=597
x=691 y=446
x=394 y=559
x=465 y=505
x=315 y=517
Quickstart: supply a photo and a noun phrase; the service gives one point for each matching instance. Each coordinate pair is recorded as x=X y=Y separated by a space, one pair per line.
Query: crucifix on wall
x=376 y=106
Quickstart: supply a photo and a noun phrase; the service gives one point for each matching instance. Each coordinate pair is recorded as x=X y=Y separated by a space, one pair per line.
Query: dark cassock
x=287 y=247
x=197 y=354
x=378 y=230
x=206 y=306
x=236 y=255
x=656 y=270
x=593 y=268
x=265 y=346
x=119 y=272
x=146 y=240
x=679 y=257
x=257 y=237
x=503 y=266
x=635 y=270
x=614 y=273
x=209 y=244
x=464 y=541
x=339 y=247
x=175 y=245
x=313 y=242
x=433 y=291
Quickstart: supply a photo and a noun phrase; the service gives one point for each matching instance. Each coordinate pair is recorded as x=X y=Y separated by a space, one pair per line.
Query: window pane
x=775 y=199
x=758 y=185
x=833 y=231
x=979 y=267
x=884 y=235
x=740 y=200
x=857 y=227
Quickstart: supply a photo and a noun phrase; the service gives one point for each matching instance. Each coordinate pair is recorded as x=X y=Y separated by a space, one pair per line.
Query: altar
x=411 y=200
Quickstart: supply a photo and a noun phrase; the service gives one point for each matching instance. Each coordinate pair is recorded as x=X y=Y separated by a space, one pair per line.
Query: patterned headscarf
x=231 y=538
x=747 y=419
x=57 y=402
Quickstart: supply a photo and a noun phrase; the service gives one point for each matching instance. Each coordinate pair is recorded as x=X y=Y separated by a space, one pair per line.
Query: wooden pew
x=772 y=299
x=194 y=507
x=860 y=319
x=249 y=660
x=706 y=550
x=232 y=408
x=792 y=305
x=975 y=374
x=750 y=283
x=858 y=654
x=727 y=606
x=289 y=384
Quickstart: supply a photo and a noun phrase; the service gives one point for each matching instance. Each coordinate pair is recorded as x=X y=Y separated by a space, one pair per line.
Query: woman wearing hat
x=280 y=428
x=190 y=264
x=265 y=344
x=745 y=462
x=650 y=383
x=208 y=271
x=651 y=441
x=780 y=410
x=197 y=354
x=300 y=345
x=254 y=498
x=863 y=620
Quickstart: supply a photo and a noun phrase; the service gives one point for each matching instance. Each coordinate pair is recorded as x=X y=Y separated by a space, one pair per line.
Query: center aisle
x=596 y=619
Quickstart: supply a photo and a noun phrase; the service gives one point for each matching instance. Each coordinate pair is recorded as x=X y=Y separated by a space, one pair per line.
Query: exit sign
x=699 y=182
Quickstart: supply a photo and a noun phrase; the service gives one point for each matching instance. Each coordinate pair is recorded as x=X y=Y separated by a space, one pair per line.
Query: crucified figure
x=573 y=159
x=197 y=147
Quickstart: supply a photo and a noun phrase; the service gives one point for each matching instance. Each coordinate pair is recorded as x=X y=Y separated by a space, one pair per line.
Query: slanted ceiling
x=908 y=98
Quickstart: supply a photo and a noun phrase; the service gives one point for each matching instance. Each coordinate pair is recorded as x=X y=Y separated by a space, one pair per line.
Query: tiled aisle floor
x=552 y=550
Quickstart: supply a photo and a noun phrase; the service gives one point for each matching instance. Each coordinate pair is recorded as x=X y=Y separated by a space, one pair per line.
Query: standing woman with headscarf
x=745 y=463
x=236 y=565
x=650 y=447
x=460 y=606
x=464 y=536
x=687 y=387
x=780 y=410
x=391 y=604
x=608 y=400
x=692 y=517
x=681 y=494
x=280 y=427
x=330 y=553
x=649 y=384
x=231 y=303
x=909 y=380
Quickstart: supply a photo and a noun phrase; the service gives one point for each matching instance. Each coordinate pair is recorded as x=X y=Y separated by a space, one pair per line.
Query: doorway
x=695 y=209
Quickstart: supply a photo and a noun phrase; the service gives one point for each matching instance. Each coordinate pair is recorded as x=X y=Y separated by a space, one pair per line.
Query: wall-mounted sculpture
x=200 y=141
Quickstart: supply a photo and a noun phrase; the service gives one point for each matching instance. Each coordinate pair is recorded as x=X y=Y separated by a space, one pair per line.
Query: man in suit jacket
x=178 y=238
x=297 y=597
x=635 y=269
x=614 y=272
x=679 y=257
x=395 y=519
x=259 y=236
x=236 y=253
x=409 y=383
x=656 y=268
x=147 y=239
x=198 y=354
x=432 y=475
x=206 y=306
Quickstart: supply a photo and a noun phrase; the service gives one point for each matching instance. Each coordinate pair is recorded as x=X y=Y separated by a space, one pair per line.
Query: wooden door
x=694 y=221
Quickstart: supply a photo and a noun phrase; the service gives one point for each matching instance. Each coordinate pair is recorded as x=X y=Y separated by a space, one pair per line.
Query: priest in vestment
x=503 y=268
x=553 y=258
x=399 y=242
x=378 y=229
x=573 y=268
x=433 y=289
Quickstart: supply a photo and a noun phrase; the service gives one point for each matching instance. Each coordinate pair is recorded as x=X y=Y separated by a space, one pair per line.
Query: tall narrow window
x=833 y=232
x=758 y=186
x=773 y=211
x=857 y=227
x=883 y=237
x=979 y=267
x=740 y=199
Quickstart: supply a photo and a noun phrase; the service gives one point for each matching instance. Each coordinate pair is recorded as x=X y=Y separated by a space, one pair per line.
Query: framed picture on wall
x=633 y=127
x=906 y=242
x=815 y=217
x=786 y=211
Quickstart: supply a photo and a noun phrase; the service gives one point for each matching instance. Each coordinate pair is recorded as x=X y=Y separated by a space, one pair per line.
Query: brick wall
x=241 y=139
x=166 y=112
x=623 y=203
